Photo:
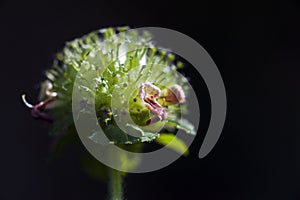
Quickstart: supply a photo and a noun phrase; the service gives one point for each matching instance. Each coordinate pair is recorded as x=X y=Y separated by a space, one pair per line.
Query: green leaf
x=183 y=124
x=145 y=136
x=171 y=141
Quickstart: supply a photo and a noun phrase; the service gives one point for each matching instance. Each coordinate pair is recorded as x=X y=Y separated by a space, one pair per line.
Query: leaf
x=99 y=138
x=145 y=136
x=171 y=141
x=183 y=124
x=136 y=128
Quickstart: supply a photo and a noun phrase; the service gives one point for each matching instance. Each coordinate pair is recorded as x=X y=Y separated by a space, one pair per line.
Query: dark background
x=254 y=44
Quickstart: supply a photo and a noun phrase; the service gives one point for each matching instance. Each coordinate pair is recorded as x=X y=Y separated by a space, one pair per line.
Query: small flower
x=148 y=94
x=173 y=95
x=37 y=110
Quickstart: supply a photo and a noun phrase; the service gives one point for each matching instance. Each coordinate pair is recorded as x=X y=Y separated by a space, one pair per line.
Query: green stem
x=116 y=192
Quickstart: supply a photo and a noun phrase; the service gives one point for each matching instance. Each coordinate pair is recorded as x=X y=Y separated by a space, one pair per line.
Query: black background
x=254 y=44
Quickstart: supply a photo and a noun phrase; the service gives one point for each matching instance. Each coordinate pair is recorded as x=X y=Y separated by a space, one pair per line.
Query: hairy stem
x=116 y=191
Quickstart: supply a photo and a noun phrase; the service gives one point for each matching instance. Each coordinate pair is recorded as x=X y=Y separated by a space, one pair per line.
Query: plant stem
x=116 y=192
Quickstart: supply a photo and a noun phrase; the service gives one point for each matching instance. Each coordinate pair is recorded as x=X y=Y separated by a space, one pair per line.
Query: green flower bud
x=103 y=64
